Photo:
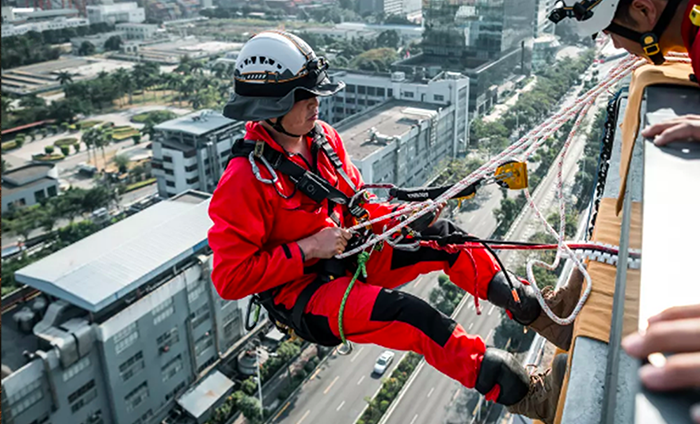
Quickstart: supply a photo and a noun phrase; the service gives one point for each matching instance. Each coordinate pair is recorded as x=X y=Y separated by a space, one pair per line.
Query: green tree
x=31 y=101
x=65 y=150
x=5 y=165
x=86 y=49
x=64 y=78
x=113 y=43
x=251 y=409
x=122 y=162
x=19 y=140
x=49 y=150
x=388 y=39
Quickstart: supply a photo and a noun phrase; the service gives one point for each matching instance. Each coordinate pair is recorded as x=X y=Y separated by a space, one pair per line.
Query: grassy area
x=123 y=135
x=43 y=157
x=70 y=141
x=138 y=185
x=9 y=145
x=88 y=124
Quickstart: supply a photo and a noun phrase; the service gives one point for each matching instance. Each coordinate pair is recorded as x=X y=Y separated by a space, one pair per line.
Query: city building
x=485 y=40
x=31 y=14
x=30 y=6
x=126 y=326
x=41 y=77
x=403 y=142
x=97 y=40
x=170 y=50
x=116 y=13
x=28 y=185
x=191 y=152
x=364 y=90
x=544 y=51
x=388 y=7
x=138 y=31
x=542 y=24
x=9 y=30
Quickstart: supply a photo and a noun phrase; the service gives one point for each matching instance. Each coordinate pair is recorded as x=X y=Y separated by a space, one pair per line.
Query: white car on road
x=383 y=362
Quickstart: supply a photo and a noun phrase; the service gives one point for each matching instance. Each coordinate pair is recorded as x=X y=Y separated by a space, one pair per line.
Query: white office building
x=116 y=13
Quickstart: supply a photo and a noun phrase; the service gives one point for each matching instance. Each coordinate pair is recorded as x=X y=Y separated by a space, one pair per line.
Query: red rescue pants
x=375 y=313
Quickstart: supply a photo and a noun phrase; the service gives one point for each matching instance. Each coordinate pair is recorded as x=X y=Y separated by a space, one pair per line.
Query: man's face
x=641 y=16
x=302 y=118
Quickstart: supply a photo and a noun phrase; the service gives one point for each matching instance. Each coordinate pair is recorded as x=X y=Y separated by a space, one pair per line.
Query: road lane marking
x=431 y=391
x=415 y=417
x=315 y=374
x=361 y=378
x=471 y=326
x=492 y=308
x=303 y=417
x=456 y=394
x=286 y=405
x=471 y=218
x=357 y=354
x=471 y=305
x=489 y=335
x=331 y=385
x=340 y=406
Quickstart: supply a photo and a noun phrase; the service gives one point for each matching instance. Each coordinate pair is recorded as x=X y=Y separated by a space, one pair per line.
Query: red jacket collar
x=256 y=132
x=688 y=30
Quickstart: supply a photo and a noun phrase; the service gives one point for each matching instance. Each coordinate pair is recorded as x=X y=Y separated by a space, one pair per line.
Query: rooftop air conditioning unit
x=398 y=76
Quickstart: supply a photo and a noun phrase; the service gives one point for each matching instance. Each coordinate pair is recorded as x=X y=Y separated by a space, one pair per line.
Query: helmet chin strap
x=650 y=40
x=277 y=126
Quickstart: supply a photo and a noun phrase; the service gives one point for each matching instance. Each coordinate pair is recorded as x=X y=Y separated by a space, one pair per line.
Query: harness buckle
x=694 y=15
x=259 y=148
x=650 y=44
x=512 y=174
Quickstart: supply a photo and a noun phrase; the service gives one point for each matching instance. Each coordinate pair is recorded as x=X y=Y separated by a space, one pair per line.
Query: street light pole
x=257 y=367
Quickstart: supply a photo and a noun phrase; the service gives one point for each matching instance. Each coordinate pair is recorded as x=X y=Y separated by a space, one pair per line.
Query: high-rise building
x=543 y=25
x=116 y=13
x=483 y=39
x=191 y=152
x=121 y=325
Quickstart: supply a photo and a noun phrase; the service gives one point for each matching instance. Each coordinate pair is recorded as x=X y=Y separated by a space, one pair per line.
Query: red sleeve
x=242 y=217
x=375 y=209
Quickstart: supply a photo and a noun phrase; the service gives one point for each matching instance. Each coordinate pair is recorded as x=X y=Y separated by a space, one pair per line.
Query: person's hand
x=682 y=128
x=675 y=330
x=325 y=244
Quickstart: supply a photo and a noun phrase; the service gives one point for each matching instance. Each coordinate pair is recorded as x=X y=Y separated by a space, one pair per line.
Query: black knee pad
x=500 y=367
x=499 y=293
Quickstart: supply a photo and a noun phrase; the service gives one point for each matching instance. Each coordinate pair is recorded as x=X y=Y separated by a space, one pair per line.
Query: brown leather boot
x=562 y=302
x=542 y=398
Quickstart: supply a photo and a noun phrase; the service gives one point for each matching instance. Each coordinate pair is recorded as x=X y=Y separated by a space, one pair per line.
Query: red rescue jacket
x=691 y=39
x=255 y=229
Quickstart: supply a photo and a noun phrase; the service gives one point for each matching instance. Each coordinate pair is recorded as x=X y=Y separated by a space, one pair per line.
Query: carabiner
x=256 y=170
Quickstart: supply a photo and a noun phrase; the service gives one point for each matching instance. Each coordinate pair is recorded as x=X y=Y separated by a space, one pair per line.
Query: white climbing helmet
x=594 y=16
x=591 y=16
x=271 y=69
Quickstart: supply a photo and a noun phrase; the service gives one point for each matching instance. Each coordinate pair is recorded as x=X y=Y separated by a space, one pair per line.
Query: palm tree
x=174 y=82
x=125 y=82
x=219 y=70
x=89 y=140
x=122 y=162
x=197 y=66
x=64 y=78
x=185 y=65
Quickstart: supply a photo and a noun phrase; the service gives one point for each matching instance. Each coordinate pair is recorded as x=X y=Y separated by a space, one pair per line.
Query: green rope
x=361 y=261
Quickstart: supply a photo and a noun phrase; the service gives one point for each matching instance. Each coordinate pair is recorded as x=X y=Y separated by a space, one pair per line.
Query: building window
x=144 y=418
x=380 y=91
x=390 y=92
x=131 y=366
x=190 y=153
x=175 y=391
x=126 y=338
x=408 y=94
x=171 y=368
x=192 y=180
x=194 y=290
x=372 y=91
x=438 y=98
x=167 y=339
x=163 y=311
x=39 y=195
x=136 y=396
x=169 y=172
x=82 y=396
x=25 y=397
x=191 y=168
x=361 y=102
x=170 y=183
x=350 y=88
x=168 y=159
x=74 y=369
x=202 y=343
x=361 y=89
x=200 y=316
